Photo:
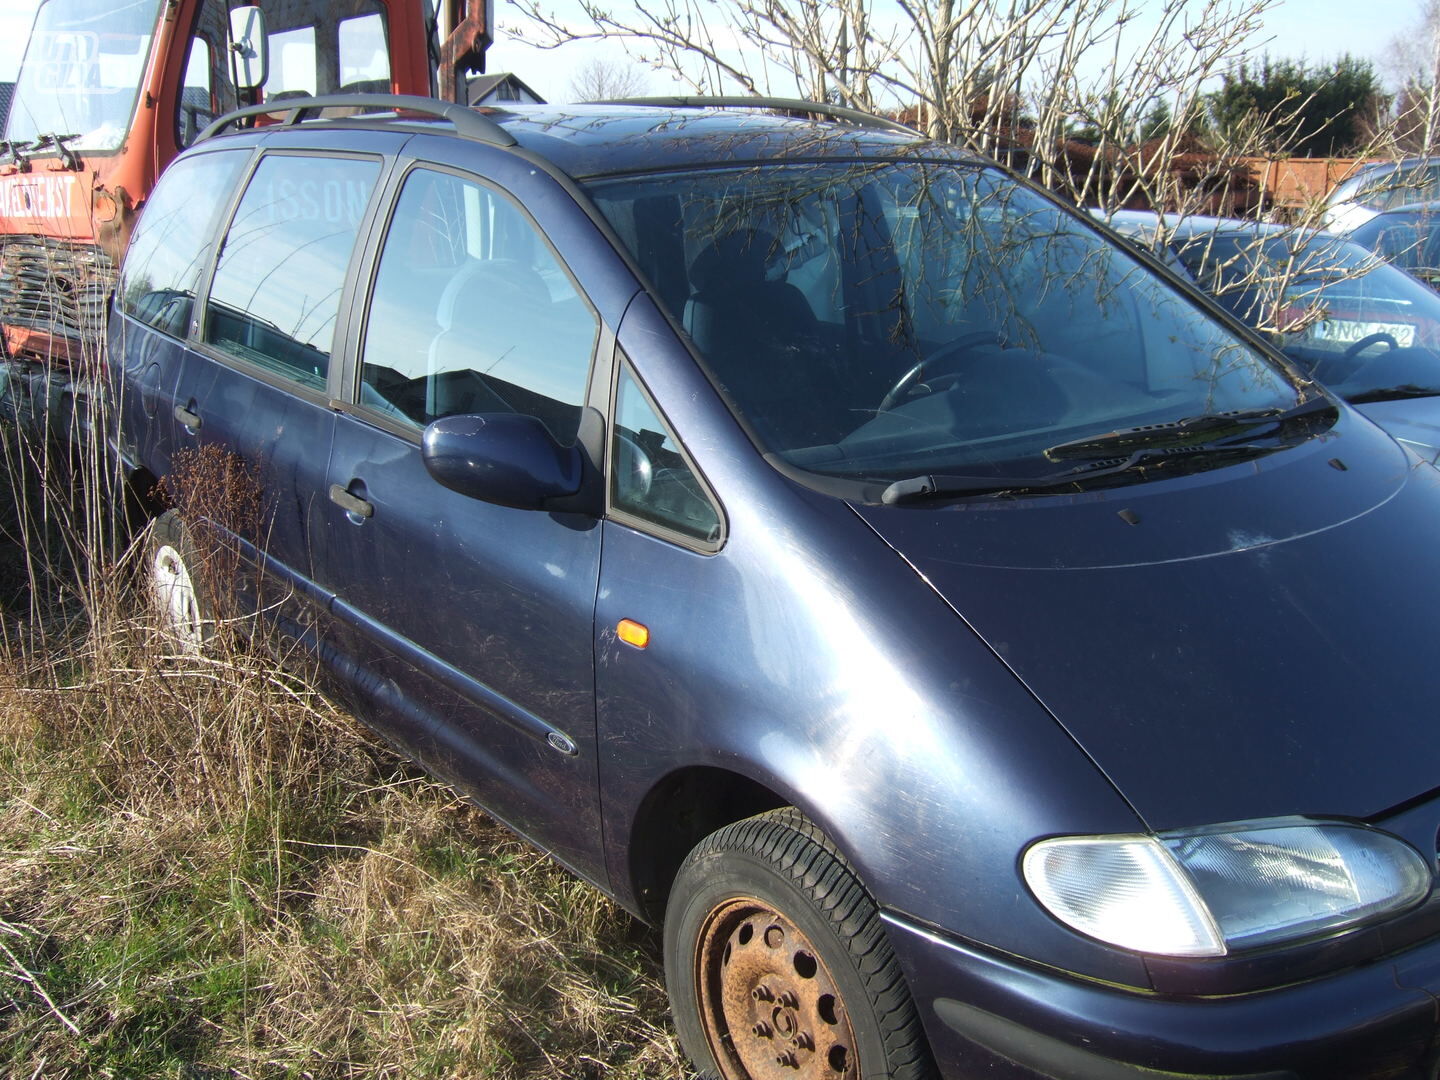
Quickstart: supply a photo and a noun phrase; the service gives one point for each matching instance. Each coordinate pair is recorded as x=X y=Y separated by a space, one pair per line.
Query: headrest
x=738 y=258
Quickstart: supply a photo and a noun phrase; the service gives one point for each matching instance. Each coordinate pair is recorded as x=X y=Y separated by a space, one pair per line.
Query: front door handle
x=351 y=504
x=190 y=419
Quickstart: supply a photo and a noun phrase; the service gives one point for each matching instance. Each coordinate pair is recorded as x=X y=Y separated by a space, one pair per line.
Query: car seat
x=745 y=324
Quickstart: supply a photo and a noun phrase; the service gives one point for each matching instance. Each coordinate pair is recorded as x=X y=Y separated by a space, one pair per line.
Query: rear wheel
x=176 y=588
x=777 y=964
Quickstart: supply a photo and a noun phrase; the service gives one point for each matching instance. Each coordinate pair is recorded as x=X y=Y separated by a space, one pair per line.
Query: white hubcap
x=175 y=596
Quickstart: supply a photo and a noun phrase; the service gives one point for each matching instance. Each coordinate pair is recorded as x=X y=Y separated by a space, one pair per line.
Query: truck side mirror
x=249 y=48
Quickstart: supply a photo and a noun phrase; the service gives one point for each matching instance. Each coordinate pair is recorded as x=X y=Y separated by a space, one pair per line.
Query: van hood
x=1249 y=641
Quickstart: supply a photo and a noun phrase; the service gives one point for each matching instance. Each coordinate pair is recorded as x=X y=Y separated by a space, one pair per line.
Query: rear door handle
x=351 y=504
x=190 y=419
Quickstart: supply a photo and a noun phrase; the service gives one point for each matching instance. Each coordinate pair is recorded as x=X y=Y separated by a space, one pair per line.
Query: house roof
x=482 y=85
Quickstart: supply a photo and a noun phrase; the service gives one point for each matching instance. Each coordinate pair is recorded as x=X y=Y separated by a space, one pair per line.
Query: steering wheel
x=1368 y=340
x=912 y=378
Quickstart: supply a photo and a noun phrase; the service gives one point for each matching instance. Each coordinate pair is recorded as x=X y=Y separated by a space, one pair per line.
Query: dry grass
x=207 y=869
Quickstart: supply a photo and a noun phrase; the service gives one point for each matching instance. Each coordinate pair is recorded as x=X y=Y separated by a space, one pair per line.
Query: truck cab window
x=196 y=106
x=293 y=63
x=364 y=55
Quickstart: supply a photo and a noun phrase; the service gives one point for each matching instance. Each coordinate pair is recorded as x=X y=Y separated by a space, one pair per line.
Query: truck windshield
x=82 y=72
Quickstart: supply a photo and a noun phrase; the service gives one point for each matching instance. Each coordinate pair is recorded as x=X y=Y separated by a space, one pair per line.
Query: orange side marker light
x=633 y=633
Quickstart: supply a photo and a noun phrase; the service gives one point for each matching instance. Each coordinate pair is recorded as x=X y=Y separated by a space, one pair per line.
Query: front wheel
x=777 y=963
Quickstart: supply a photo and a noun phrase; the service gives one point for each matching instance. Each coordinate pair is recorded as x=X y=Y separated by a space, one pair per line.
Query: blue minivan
x=980 y=653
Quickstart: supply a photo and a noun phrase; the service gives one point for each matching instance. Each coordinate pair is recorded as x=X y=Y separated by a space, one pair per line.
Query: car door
x=168 y=257
x=252 y=393
x=472 y=623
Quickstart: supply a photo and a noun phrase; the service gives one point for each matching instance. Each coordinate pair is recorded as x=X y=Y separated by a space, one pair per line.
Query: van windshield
x=875 y=320
x=82 y=71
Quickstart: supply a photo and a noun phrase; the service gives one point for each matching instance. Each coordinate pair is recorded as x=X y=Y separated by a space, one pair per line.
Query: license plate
x=1349 y=331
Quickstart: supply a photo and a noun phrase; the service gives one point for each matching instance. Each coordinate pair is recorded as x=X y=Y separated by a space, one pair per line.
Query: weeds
x=208 y=870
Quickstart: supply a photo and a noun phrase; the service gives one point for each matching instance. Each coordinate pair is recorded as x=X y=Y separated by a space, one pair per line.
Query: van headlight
x=1208 y=892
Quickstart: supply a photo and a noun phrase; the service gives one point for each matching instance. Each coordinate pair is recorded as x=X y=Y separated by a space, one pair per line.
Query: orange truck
x=111 y=90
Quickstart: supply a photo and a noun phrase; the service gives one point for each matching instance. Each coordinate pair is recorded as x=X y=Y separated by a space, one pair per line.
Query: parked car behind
x=1408 y=236
x=973 y=650
x=1379 y=186
x=1366 y=329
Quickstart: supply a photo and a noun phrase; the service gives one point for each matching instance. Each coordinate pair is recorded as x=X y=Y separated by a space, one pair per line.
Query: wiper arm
x=71 y=159
x=923 y=487
x=1183 y=432
x=1392 y=393
x=940 y=486
x=13 y=149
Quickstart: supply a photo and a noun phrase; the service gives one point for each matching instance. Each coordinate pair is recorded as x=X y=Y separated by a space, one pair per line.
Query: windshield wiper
x=941 y=486
x=1185 y=432
x=1392 y=393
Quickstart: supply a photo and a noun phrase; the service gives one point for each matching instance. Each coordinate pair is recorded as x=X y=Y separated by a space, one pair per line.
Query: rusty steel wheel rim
x=768 y=1005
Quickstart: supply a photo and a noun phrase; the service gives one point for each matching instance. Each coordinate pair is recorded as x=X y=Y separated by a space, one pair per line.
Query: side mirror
x=501 y=458
x=249 y=48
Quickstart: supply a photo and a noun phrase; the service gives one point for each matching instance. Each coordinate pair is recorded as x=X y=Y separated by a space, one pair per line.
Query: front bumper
x=994 y=1016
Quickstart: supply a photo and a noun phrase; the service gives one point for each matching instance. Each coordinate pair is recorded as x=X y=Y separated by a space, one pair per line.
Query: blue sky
x=1316 y=29
x=1324 y=29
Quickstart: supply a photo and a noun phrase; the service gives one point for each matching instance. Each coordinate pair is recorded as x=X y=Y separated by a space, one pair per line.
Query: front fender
x=808 y=657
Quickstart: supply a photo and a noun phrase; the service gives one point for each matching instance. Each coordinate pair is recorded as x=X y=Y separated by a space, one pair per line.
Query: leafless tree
x=601 y=79
x=1171 y=60
x=1059 y=89
x=829 y=50
x=1008 y=77
x=1413 y=61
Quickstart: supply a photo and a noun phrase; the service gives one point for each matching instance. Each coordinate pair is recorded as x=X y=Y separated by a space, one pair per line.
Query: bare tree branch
x=600 y=79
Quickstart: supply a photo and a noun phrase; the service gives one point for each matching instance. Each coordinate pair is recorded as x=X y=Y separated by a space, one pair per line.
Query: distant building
x=7 y=91
x=500 y=90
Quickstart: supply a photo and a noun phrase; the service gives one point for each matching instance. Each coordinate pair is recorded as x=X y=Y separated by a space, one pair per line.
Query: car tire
x=176 y=584
x=777 y=963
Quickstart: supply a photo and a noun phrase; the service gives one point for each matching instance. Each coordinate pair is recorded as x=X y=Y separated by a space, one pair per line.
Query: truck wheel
x=777 y=964
x=176 y=584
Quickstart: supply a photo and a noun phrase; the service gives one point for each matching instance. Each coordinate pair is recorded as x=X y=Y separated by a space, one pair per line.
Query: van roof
x=643 y=135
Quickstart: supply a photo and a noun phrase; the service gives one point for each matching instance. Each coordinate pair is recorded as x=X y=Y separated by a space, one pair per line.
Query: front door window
x=473 y=313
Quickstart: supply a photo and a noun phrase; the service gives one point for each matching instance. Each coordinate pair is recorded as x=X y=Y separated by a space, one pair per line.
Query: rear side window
x=473 y=313
x=171 y=245
x=1399 y=186
x=1372 y=190
x=282 y=269
x=1344 y=191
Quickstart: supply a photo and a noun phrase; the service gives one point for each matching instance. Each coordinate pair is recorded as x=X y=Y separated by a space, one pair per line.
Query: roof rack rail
x=468 y=122
x=745 y=101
